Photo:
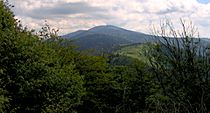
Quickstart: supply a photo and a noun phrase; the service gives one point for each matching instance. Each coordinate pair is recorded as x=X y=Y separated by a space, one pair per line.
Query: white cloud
x=131 y=14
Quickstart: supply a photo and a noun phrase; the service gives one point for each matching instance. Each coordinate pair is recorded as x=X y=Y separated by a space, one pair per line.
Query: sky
x=137 y=15
x=204 y=1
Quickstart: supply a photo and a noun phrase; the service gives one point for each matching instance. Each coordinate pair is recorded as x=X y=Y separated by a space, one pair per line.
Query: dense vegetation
x=41 y=75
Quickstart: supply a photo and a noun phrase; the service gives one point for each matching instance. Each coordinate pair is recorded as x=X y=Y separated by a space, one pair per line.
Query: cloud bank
x=138 y=15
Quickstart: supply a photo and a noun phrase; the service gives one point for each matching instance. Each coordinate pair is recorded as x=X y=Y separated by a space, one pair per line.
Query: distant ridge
x=107 y=38
x=110 y=30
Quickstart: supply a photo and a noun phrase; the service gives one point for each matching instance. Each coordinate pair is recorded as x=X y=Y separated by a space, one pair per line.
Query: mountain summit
x=110 y=31
x=106 y=38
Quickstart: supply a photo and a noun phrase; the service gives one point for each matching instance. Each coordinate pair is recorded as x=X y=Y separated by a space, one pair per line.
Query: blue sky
x=137 y=15
x=204 y=1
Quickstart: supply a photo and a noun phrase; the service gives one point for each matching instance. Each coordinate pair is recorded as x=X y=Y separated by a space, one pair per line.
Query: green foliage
x=136 y=51
x=40 y=73
x=3 y=101
x=47 y=76
x=132 y=83
x=113 y=88
x=93 y=70
x=181 y=68
x=6 y=17
x=36 y=76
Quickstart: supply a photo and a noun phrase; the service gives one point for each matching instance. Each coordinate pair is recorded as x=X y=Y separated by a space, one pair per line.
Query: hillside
x=136 y=51
x=106 y=38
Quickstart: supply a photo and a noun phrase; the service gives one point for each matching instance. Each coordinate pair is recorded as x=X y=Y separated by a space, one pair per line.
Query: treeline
x=44 y=76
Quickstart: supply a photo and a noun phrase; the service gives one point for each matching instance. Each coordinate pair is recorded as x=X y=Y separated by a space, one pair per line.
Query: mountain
x=70 y=35
x=111 y=31
x=106 y=38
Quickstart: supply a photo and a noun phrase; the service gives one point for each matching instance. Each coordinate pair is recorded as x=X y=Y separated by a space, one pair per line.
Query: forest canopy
x=44 y=76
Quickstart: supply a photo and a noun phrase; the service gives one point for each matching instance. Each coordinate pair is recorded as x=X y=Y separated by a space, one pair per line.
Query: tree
x=180 y=65
x=7 y=24
x=35 y=76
